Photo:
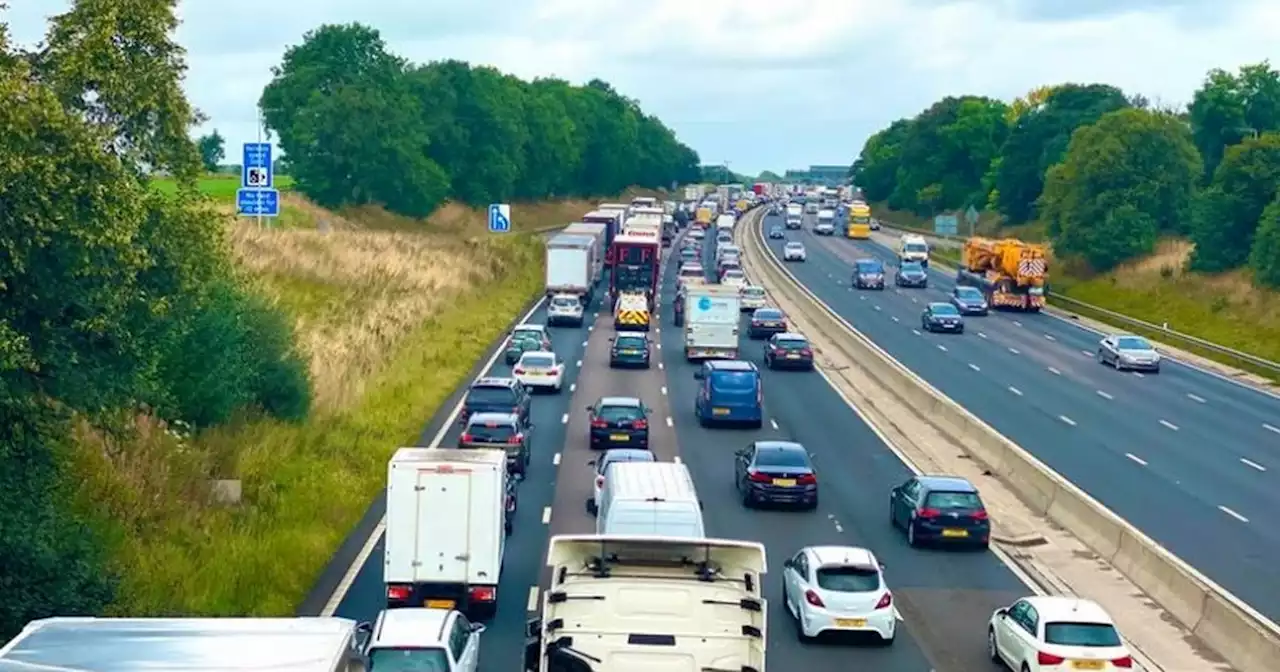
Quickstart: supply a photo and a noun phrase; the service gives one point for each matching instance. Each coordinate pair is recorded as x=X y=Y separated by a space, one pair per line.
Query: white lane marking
x=942 y=347
x=1067 y=420
x=584 y=344
x=591 y=327
x=1271 y=428
x=916 y=332
x=670 y=422
x=974 y=367
x=1016 y=391
x=532 y=604
x=659 y=366
x=1251 y=463
x=1050 y=337
x=898 y=616
x=1014 y=351
x=914 y=300
x=677 y=459
x=573 y=387
x=876 y=307
x=564 y=419
x=981 y=335
x=1170 y=425
x=555 y=460
x=1135 y=458
x=860 y=298
x=773 y=423
x=895 y=318
x=1055 y=371
x=1086 y=353
x=1104 y=395
x=546 y=515
x=659 y=345
x=657 y=330
x=1196 y=398
x=344 y=586
x=579 y=364
x=664 y=390
x=1017 y=323
x=1233 y=514
x=1138 y=374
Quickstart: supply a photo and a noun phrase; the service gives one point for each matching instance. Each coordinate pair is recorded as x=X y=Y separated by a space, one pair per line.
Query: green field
x=221 y=187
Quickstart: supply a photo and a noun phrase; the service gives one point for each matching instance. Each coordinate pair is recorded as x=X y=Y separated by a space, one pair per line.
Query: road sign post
x=499 y=218
x=257 y=196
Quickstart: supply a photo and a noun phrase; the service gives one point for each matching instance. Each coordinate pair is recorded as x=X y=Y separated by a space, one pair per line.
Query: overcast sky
x=761 y=84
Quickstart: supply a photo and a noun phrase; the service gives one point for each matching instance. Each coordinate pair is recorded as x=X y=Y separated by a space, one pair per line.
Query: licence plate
x=793 y=356
x=720 y=411
x=619 y=437
x=440 y=604
x=630 y=352
x=850 y=622
x=955 y=533
x=784 y=482
x=1087 y=664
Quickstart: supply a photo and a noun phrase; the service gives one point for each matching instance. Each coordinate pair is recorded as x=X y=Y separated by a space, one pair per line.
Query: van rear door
x=735 y=389
x=441 y=545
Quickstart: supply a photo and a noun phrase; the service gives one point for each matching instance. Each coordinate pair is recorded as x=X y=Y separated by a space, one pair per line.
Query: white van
x=650 y=498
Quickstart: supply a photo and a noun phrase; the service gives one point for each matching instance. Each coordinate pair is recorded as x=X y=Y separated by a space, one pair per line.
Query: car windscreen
x=943 y=309
x=528 y=333
x=525 y=343
x=776 y=457
x=733 y=381
x=916 y=247
x=1132 y=343
x=620 y=413
x=767 y=315
x=912 y=268
x=1081 y=634
x=491 y=431
x=408 y=660
x=953 y=500
x=870 y=267
x=631 y=342
x=848 y=579
x=792 y=344
x=491 y=395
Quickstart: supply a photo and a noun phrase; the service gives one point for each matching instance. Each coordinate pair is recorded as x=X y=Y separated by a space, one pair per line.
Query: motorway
x=1187 y=456
x=943 y=597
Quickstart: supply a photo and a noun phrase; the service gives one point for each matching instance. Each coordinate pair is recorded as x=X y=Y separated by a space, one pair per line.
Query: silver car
x=1128 y=352
x=564 y=309
x=793 y=251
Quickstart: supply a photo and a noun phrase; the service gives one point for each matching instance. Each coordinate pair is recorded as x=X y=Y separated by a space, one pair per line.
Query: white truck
x=304 y=644
x=795 y=210
x=446 y=529
x=646 y=218
x=571 y=266
x=650 y=603
x=826 y=225
x=712 y=314
x=599 y=234
x=725 y=222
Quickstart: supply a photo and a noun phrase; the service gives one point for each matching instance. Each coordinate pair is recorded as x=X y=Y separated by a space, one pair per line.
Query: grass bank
x=391 y=313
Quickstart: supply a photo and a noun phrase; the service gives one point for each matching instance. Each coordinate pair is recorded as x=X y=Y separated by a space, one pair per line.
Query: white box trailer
x=304 y=644
x=599 y=234
x=446 y=518
x=712 y=316
x=650 y=603
x=571 y=266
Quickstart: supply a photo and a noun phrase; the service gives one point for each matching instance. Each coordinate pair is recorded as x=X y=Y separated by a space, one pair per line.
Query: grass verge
x=392 y=314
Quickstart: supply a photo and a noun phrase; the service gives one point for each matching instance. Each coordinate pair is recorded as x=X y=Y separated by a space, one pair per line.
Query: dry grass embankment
x=391 y=313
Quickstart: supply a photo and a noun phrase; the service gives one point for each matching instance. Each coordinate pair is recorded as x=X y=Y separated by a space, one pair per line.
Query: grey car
x=1128 y=352
x=941 y=317
x=969 y=300
x=910 y=274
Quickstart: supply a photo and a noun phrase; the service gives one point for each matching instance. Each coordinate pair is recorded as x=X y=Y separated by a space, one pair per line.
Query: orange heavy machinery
x=1010 y=272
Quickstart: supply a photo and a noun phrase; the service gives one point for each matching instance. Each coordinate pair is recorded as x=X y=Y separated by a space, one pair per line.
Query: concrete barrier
x=1241 y=635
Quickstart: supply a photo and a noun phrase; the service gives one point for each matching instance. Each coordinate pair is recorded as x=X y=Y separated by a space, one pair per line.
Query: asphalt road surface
x=1189 y=457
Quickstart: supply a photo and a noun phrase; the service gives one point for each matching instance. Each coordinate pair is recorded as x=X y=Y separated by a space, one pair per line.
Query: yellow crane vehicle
x=859 y=220
x=1011 y=273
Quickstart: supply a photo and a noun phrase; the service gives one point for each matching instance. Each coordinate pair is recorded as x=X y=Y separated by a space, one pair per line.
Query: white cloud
x=760 y=83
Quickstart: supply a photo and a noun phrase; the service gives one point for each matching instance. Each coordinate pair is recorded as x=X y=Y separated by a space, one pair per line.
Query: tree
x=1039 y=139
x=1244 y=183
x=769 y=176
x=1124 y=180
x=1228 y=108
x=212 y=150
x=945 y=153
x=876 y=169
x=1265 y=255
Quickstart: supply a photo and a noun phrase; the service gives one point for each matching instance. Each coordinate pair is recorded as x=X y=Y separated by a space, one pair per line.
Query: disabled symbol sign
x=704 y=303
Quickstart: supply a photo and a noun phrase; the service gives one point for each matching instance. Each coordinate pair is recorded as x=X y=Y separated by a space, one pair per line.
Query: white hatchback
x=838 y=588
x=793 y=251
x=564 y=308
x=752 y=297
x=734 y=277
x=1050 y=632
x=540 y=370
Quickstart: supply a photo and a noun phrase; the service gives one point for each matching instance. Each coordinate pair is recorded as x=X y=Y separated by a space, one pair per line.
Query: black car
x=496 y=395
x=940 y=509
x=868 y=274
x=766 y=322
x=777 y=232
x=618 y=422
x=776 y=472
x=504 y=431
x=629 y=349
x=969 y=300
x=788 y=351
x=911 y=274
x=941 y=317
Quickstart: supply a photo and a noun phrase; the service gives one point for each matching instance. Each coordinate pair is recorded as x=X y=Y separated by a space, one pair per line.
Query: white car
x=1049 y=632
x=441 y=640
x=752 y=297
x=540 y=370
x=564 y=308
x=825 y=229
x=734 y=277
x=794 y=251
x=1129 y=352
x=838 y=588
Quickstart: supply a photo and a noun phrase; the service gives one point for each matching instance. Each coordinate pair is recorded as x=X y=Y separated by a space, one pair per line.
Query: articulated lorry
x=599 y=234
x=571 y=266
x=1012 y=274
x=629 y=603
x=711 y=316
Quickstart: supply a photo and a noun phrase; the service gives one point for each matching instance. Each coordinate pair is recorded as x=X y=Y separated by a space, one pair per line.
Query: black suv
x=619 y=422
x=499 y=431
x=497 y=395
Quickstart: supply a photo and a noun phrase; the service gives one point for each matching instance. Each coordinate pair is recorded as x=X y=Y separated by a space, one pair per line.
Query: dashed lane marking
x=981 y=335
x=1105 y=395
x=670 y=422
x=1016 y=391
x=1017 y=323
x=1271 y=428
x=1196 y=398
x=1138 y=374
x=555 y=460
x=1135 y=458
x=974 y=367
x=773 y=423
x=916 y=332
x=942 y=347
x=564 y=419
x=1086 y=353
x=1252 y=464
x=546 y=515
x=1055 y=371
x=1170 y=425
x=532 y=604
x=1233 y=514
x=573 y=387
x=1014 y=351
x=1067 y=420
x=1050 y=337
x=664 y=390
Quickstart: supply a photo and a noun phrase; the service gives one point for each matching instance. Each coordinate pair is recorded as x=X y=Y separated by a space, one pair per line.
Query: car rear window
x=630 y=342
x=953 y=500
x=733 y=381
x=792 y=344
x=408 y=660
x=620 y=413
x=768 y=315
x=624 y=456
x=781 y=458
x=491 y=431
x=538 y=361
x=848 y=579
x=1081 y=634
x=564 y=302
x=491 y=395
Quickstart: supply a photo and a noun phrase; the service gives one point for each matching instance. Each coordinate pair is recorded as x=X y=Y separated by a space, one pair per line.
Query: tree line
x=1108 y=173
x=361 y=125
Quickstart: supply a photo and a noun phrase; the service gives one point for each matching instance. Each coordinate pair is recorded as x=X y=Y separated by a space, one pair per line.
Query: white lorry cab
x=913 y=247
x=304 y=644
x=649 y=603
x=656 y=498
x=725 y=222
x=446 y=529
x=712 y=316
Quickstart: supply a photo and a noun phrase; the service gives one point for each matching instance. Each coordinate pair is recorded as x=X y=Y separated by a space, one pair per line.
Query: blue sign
x=944 y=225
x=499 y=218
x=704 y=303
x=255 y=170
x=258 y=202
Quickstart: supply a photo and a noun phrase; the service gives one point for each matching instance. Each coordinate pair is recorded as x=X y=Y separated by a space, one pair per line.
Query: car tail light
x=757 y=477
x=807 y=352
x=398 y=592
x=807 y=479
x=886 y=600
x=1049 y=659
x=465 y=438
x=599 y=424
x=1125 y=662
x=640 y=424
x=929 y=513
x=483 y=593
x=812 y=598
x=516 y=440
x=518 y=371
x=980 y=514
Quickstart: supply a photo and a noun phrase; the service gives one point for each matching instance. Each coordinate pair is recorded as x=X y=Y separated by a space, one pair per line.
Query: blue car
x=969 y=300
x=940 y=509
x=729 y=391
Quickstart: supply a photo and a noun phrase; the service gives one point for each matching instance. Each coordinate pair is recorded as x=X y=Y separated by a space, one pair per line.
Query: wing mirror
x=1002 y=612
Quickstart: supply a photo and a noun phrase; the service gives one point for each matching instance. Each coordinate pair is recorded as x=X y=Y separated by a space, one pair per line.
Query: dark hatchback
x=777 y=232
x=629 y=350
x=941 y=317
x=519 y=346
x=911 y=274
x=496 y=395
x=766 y=322
x=868 y=274
x=969 y=300
x=776 y=472
x=618 y=422
x=934 y=509
x=788 y=351
x=501 y=431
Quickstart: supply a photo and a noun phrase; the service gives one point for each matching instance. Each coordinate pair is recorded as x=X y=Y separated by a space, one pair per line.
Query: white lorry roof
x=147 y=644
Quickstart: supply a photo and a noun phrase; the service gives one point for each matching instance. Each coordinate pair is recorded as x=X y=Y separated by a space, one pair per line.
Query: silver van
x=650 y=498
